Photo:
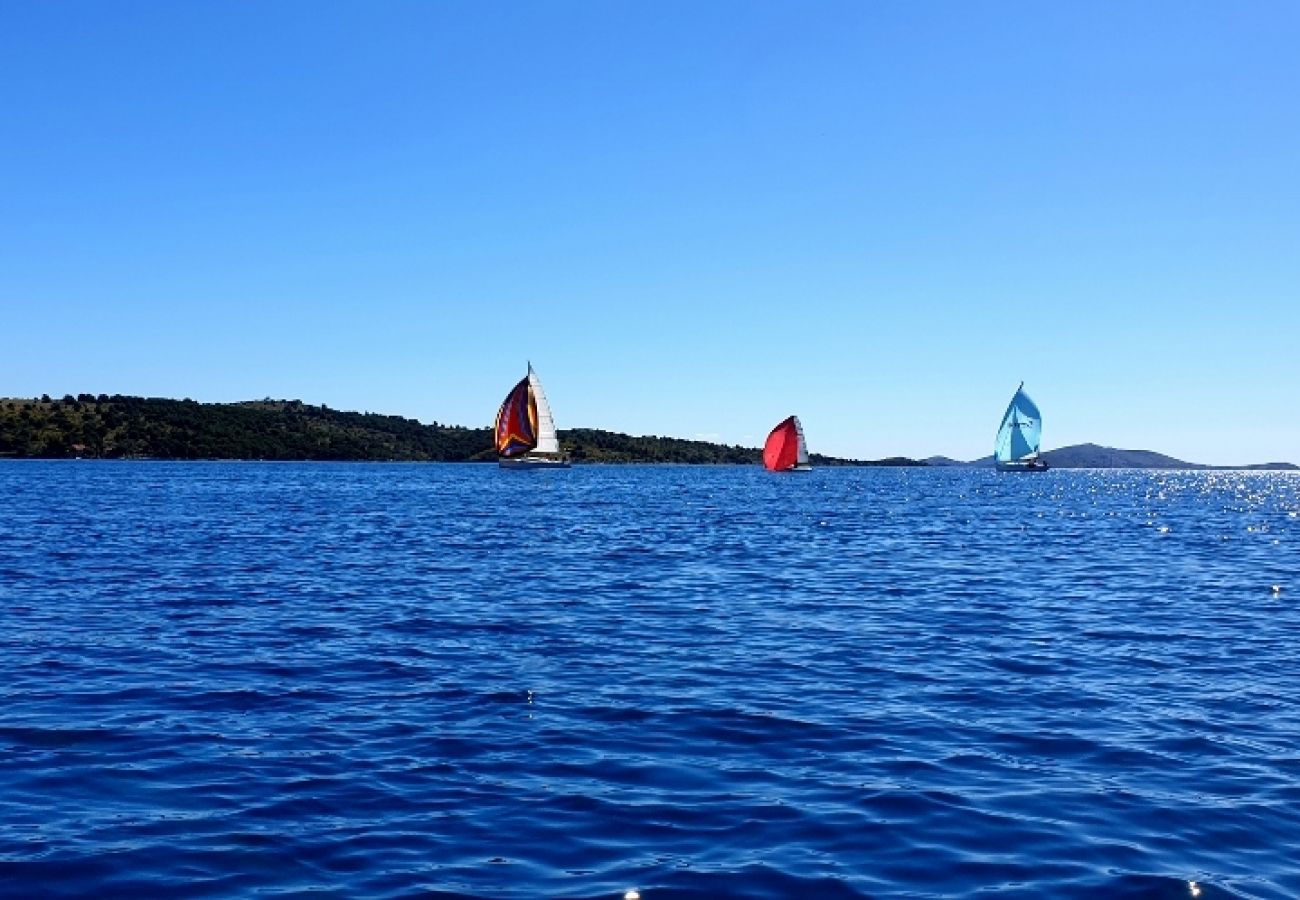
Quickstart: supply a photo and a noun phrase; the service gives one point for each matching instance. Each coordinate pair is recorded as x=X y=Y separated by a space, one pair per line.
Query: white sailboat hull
x=534 y=462
x=1035 y=464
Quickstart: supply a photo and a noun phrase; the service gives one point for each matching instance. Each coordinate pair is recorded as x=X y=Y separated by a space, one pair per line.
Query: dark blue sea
x=382 y=680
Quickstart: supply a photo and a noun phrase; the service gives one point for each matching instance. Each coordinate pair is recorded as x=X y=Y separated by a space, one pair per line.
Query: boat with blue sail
x=525 y=429
x=1020 y=436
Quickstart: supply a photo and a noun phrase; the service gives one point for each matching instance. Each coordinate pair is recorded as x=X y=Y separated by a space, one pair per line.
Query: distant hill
x=122 y=427
x=942 y=461
x=1094 y=456
x=948 y=462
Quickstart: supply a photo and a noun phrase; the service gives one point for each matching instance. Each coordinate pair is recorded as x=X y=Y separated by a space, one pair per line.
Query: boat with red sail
x=786 y=450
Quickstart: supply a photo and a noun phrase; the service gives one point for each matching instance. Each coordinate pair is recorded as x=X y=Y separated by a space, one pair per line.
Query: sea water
x=380 y=680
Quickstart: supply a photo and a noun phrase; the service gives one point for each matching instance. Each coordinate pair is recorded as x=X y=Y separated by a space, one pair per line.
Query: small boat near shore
x=786 y=450
x=1020 y=436
x=525 y=429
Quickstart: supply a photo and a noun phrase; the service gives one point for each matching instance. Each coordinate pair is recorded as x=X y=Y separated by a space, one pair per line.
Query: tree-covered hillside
x=136 y=427
x=594 y=445
x=118 y=427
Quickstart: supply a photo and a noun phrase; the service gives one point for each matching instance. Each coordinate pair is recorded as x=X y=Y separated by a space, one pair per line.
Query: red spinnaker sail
x=516 y=428
x=781 y=451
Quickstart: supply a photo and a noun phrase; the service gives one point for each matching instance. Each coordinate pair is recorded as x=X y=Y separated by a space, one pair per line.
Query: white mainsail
x=802 y=459
x=547 y=440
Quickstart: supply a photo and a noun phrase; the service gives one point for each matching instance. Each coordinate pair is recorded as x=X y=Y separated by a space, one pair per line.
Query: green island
x=121 y=427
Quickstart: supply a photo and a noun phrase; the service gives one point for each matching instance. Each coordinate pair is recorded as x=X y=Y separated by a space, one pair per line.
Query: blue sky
x=694 y=218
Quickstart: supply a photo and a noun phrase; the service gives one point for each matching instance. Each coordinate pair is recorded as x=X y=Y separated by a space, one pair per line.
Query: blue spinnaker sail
x=1022 y=429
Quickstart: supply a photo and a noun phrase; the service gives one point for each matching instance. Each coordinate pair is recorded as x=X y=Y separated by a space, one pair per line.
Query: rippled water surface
x=251 y=680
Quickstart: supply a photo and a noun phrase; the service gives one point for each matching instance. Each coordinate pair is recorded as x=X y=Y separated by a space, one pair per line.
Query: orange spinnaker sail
x=781 y=451
x=516 y=427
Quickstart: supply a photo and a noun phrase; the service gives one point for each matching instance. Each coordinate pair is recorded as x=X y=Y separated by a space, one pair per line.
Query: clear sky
x=695 y=218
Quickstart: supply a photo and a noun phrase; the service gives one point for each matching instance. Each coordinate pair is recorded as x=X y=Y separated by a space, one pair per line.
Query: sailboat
x=1019 y=437
x=786 y=450
x=525 y=430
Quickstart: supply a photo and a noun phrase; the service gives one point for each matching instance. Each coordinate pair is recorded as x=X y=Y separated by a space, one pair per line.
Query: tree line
x=124 y=427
